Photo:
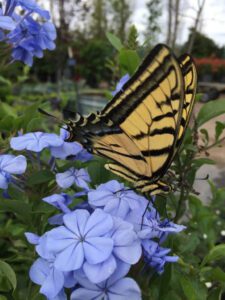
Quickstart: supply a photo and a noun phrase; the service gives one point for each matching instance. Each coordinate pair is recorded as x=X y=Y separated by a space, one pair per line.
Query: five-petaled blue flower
x=73 y=176
x=35 y=141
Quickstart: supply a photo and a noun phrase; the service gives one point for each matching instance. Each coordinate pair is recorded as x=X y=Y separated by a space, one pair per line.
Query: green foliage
x=210 y=110
x=203 y=46
x=95 y=54
x=129 y=60
x=7 y=277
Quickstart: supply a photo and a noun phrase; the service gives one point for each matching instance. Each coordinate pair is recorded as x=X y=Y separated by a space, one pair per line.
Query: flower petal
x=52 y=284
x=126 y=288
x=129 y=254
x=3 y=181
x=14 y=165
x=59 y=239
x=99 y=272
x=82 y=293
x=70 y=259
x=98 y=224
x=97 y=249
x=39 y=271
x=76 y=221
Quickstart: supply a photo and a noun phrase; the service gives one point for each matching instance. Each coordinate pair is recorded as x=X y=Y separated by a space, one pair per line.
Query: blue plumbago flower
x=82 y=238
x=60 y=201
x=156 y=256
x=73 y=176
x=30 y=39
x=11 y=165
x=35 y=141
x=117 y=286
x=114 y=198
x=120 y=84
x=27 y=37
x=66 y=149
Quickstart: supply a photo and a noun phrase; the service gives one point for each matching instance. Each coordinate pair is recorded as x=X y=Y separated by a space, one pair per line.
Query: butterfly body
x=142 y=127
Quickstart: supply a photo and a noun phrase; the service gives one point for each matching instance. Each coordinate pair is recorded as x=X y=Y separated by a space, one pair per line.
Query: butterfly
x=141 y=129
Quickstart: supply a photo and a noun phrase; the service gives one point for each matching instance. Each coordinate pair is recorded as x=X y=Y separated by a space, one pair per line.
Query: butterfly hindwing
x=190 y=85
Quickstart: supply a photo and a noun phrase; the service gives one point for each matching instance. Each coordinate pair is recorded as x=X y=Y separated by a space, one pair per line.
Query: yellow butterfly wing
x=141 y=128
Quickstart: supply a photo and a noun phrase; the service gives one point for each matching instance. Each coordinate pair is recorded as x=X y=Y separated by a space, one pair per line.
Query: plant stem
x=212 y=145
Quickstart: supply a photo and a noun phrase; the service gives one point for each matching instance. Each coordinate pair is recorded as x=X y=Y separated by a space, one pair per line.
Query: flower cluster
x=93 y=245
x=27 y=37
x=11 y=165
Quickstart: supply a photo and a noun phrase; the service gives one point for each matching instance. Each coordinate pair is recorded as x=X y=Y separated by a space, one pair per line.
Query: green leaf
x=28 y=114
x=3 y=297
x=7 y=123
x=205 y=134
x=192 y=289
x=129 y=60
x=171 y=295
x=203 y=161
x=34 y=124
x=213 y=274
x=210 y=110
x=5 y=81
x=22 y=209
x=5 y=110
x=40 y=177
x=219 y=129
x=7 y=272
x=216 y=253
x=114 y=40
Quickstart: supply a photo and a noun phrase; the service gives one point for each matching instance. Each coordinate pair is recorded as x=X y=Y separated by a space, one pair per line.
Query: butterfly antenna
x=61 y=122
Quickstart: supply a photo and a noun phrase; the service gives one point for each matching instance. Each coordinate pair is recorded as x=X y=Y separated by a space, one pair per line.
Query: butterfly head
x=78 y=133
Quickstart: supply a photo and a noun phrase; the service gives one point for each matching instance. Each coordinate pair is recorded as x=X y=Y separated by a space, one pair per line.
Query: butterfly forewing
x=157 y=104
